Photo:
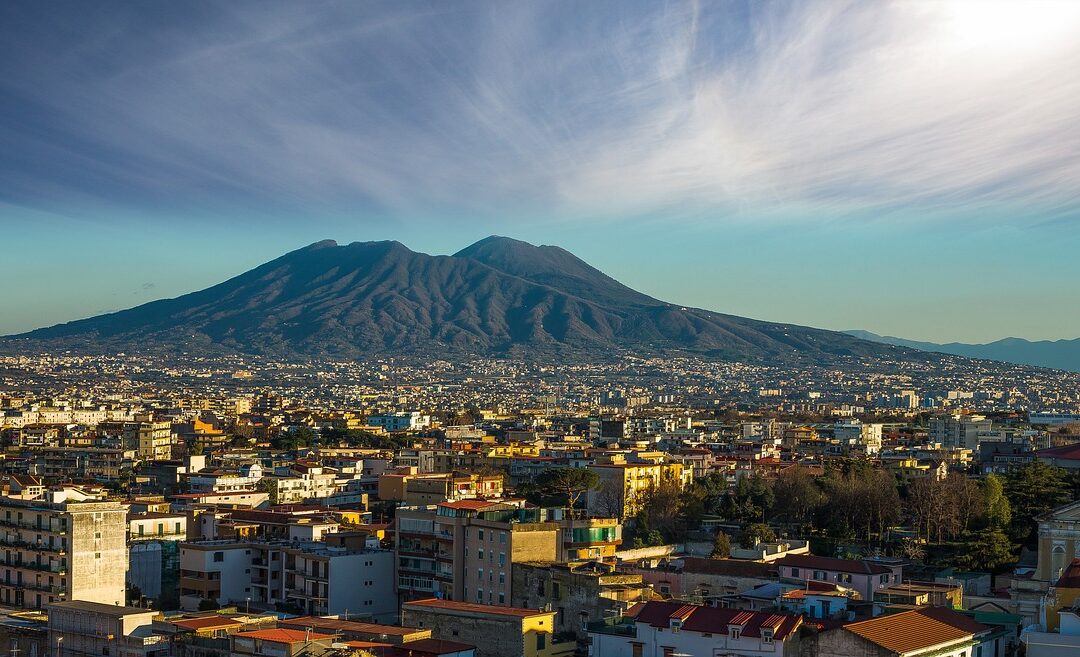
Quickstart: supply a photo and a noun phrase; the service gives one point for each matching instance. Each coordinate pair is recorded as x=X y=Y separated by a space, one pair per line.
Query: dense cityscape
x=239 y=505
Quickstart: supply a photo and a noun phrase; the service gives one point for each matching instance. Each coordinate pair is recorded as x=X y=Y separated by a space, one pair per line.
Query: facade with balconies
x=50 y=552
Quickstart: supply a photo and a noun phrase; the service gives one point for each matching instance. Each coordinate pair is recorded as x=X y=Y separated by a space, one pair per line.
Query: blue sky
x=910 y=168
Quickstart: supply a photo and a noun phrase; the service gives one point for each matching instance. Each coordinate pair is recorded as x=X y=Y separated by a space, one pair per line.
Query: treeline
x=305 y=437
x=977 y=522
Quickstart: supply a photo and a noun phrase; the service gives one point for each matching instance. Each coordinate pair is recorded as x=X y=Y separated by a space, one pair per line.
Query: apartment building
x=78 y=628
x=863 y=575
x=153 y=554
x=316 y=578
x=464 y=550
x=495 y=631
x=662 y=629
x=328 y=580
x=301 y=482
x=58 y=549
x=623 y=484
x=66 y=463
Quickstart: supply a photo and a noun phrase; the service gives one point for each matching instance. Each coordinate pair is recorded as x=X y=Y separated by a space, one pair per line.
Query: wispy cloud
x=743 y=110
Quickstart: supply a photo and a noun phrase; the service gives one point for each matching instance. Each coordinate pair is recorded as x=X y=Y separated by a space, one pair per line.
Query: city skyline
x=902 y=168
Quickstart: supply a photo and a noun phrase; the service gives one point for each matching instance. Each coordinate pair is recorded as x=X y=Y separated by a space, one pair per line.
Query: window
x=734 y=632
x=502 y=579
x=480 y=554
x=502 y=559
x=480 y=573
x=884 y=579
x=219 y=557
x=502 y=598
x=502 y=537
x=766 y=635
x=480 y=533
x=794 y=572
x=637 y=649
x=541 y=641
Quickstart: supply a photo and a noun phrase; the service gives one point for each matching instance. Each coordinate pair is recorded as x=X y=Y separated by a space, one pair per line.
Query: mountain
x=498 y=296
x=1055 y=354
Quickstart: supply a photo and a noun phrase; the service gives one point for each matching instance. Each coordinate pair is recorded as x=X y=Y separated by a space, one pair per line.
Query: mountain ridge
x=1053 y=354
x=496 y=296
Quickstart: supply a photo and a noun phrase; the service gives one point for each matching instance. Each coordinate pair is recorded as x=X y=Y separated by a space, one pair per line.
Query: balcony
x=46 y=588
x=15 y=541
x=60 y=529
x=613 y=626
x=55 y=569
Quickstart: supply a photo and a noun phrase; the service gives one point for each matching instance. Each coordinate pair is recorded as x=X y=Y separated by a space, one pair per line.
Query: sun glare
x=1013 y=26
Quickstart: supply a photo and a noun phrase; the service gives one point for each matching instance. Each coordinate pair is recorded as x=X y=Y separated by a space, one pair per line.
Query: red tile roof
x=956 y=619
x=908 y=631
x=1065 y=452
x=280 y=635
x=205 y=622
x=475 y=505
x=855 y=566
x=713 y=620
x=1070 y=577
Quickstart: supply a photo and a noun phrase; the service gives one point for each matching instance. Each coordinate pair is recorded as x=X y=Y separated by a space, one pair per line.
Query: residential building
x=464 y=550
x=316 y=578
x=328 y=580
x=280 y=642
x=578 y=593
x=864 y=575
x=665 y=629
x=495 y=631
x=57 y=549
x=391 y=422
x=78 y=628
x=622 y=486
x=906 y=634
x=958 y=431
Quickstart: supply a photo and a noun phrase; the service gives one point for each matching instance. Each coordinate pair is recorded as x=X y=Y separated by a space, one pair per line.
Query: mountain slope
x=496 y=296
x=1055 y=354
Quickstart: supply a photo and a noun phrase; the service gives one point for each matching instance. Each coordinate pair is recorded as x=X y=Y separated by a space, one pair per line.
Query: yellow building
x=624 y=485
x=909 y=468
x=1064 y=594
x=495 y=631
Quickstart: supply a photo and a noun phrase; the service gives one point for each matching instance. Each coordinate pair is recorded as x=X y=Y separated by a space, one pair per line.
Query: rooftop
x=915 y=630
x=469 y=607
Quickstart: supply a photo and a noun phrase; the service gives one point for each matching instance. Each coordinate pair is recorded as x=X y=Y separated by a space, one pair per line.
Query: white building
x=855 y=433
x=411 y=421
x=662 y=629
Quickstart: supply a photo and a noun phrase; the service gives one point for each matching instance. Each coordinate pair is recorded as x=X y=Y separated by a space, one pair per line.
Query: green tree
x=761 y=494
x=756 y=533
x=721 y=546
x=208 y=604
x=998 y=512
x=569 y=483
x=988 y=549
x=797 y=495
x=1033 y=490
x=662 y=505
